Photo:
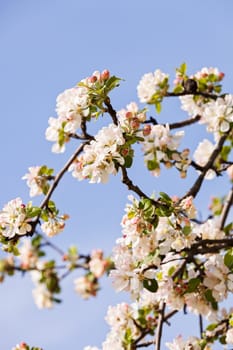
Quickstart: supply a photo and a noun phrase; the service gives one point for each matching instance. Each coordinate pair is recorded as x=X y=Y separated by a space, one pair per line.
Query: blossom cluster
x=78 y=104
x=166 y=258
x=101 y=157
x=160 y=146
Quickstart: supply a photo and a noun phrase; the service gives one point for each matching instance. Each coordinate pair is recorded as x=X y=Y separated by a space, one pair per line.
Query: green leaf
x=164 y=211
x=171 y=270
x=128 y=336
x=158 y=107
x=150 y=284
x=178 y=89
x=183 y=68
x=218 y=88
x=44 y=215
x=36 y=241
x=33 y=211
x=228 y=259
x=152 y=165
x=165 y=197
x=193 y=283
x=222 y=339
x=128 y=161
x=112 y=83
x=228 y=228
x=51 y=205
x=225 y=152
x=186 y=230
x=210 y=298
x=211 y=326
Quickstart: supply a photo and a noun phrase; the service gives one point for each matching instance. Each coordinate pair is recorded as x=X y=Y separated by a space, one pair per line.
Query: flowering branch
x=197 y=185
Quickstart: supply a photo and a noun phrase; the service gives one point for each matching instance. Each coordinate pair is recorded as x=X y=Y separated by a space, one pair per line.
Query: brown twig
x=197 y=93
x=110 y=110
x=129 y=183
x=186 y=122
x=226 y=208
x=197 y=185
x=159 y=331
x=177 y=125
x=61 y=173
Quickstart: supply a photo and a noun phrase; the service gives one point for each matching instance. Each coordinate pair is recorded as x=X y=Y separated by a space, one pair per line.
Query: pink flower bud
x=221 y=75
x=147 y=130
x=105 y=75
x=92 y=79
x=65 y=257
x=204 y=75
x=135 y=123
x=128 y=115
x=124 y=152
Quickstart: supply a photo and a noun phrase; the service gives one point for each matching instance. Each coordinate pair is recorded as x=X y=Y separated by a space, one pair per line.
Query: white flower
x=205 y=71
x=13 y=219
x=52 y=134
x=180 y=344
x=22 y=346
x=99 y=157
x=192 y=107
x=42 y=297
x=28 y=254
x=209 y=229
x=97 y=264
x=229 y=336
x=218 y=114
x=72 y=106
x=85 y=287
x=157 y=145
x=34 y=181
x=202 y=155
x=52 y=227
x=149 y=85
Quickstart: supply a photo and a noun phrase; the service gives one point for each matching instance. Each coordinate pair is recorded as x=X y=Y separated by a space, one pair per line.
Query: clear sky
x=48 y=46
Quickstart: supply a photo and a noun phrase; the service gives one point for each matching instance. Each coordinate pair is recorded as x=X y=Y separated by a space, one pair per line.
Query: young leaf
x=150 y=284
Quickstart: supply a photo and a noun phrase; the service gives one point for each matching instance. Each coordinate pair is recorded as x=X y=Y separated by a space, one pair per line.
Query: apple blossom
x=202 y=154
x=150 y=84
x=13 y=219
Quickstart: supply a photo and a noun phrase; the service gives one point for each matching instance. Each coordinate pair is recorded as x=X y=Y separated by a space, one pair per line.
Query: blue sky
x=48 y=46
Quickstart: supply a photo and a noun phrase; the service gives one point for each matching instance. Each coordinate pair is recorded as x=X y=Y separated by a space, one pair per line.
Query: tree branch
x=110 y=110
x=197 y=185
x=186 y=122
x=126 y=180
x=61 y=173
x=226 y=208
x=160 y=327
x=197 y=93
x=177 y=125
